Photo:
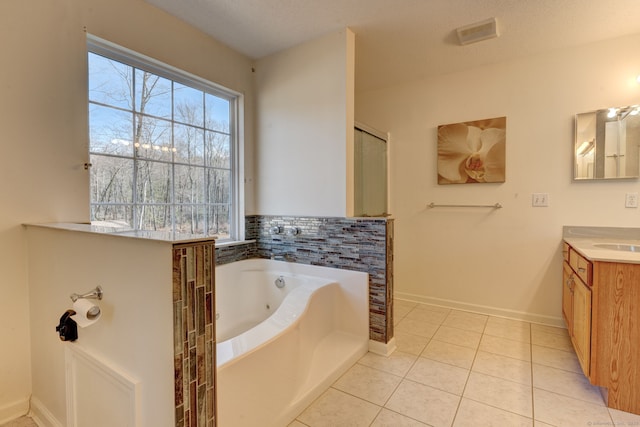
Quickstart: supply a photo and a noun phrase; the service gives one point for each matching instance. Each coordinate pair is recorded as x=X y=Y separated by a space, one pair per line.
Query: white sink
x=618 y=247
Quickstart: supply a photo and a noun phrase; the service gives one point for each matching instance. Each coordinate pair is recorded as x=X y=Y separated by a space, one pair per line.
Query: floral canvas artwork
x=472 y=152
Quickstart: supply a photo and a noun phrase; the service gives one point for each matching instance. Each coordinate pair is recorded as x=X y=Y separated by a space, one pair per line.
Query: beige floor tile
x=423 y=403
x=21 y=422
x=558 y=410
x=387 y=418
x=367 y=383
x=500 y=393
x=439 y=375
x=560 y=359
x=435 y=317
x=400 y=303
x=506 y=347
x=567 y=383
x=537 y=423
x=336 y=408
x=546 y=339
x=549 y=329
x=417 y=327
x=511 y=323
x=503 y=367
x=458 y=336
x=624 y=419
x=401 y=309
x=472 y=413
x=465 y=320
x=520 y=332
x=436 y=349
x=429 y=307
x=409 y=343
x=398 y=363
x=449 y=353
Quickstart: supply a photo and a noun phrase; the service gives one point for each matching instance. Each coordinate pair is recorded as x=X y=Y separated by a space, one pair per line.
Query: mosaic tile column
x=194 y=334
x=389 y=285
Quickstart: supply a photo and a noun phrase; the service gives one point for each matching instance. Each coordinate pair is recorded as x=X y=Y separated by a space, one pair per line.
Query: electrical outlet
x=631 y=200
x=540 y=199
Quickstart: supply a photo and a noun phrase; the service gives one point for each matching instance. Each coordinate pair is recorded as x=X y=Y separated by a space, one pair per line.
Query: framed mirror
x=606 y=144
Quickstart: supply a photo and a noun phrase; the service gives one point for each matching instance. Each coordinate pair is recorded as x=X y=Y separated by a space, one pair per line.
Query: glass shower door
x=370 y=184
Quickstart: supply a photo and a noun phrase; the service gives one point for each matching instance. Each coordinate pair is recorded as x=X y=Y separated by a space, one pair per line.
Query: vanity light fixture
x=612 y=112
x=638 y=78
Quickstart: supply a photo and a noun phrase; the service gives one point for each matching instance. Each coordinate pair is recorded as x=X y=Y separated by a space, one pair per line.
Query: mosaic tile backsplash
x=194 y=334
x=360 y=244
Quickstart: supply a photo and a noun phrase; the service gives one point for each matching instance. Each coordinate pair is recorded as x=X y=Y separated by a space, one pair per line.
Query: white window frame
x=128 y=57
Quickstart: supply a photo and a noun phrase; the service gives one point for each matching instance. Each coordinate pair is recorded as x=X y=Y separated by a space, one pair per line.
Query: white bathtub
x=279 y=349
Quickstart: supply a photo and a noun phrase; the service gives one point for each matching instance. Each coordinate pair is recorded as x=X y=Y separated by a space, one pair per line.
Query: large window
x=163 y=147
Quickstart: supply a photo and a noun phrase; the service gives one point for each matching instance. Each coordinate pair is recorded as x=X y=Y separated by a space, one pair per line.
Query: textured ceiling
x=399 y=40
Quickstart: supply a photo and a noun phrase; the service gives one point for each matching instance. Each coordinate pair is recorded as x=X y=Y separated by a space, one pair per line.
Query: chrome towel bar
x=494 y=206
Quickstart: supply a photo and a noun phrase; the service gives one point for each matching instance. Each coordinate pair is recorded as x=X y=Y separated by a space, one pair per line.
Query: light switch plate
x=540 y=199
x=631 y=200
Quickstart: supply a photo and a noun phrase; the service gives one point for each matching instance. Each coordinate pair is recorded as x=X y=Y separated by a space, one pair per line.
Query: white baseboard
x=483 y=309
x=381 y=348
x=14 y=410
x=42 y=416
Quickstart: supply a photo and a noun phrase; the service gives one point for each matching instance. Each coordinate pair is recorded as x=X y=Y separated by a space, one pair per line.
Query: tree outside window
x=161 y=151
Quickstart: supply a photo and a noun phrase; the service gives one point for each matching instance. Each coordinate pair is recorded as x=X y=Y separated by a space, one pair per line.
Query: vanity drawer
x=581 y=266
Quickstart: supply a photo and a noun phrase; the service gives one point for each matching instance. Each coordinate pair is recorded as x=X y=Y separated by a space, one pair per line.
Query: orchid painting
x=472 y=152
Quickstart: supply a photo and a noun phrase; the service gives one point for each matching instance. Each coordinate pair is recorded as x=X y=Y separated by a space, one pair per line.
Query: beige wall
x=506 y=261
x=136 y=277
x=43 y=117
x=304 y=120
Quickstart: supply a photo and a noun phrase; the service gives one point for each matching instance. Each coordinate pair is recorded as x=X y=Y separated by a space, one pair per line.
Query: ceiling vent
x=479 y=31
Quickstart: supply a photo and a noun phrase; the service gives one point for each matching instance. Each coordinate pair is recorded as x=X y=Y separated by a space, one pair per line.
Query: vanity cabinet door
x=581 y=330
x=576 y=310
x=567 y=296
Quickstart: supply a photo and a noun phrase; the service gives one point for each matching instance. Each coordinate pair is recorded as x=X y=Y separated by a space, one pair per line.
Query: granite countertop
x=160 y=236
x=585 y=240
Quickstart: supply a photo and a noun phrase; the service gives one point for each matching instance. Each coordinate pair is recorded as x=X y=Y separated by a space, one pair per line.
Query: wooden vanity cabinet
x=603 y=319
x=615 y=346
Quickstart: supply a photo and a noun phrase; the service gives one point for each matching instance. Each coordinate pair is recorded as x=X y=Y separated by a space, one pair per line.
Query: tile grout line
x=455 y=415
x=477 y=349
x=533 y=406
x=439 y=325
x=402 y=378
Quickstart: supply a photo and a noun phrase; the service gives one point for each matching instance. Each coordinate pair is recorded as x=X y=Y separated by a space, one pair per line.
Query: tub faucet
x=285 y=257
x=293 y=231
x=275 y=229
x=280 y=282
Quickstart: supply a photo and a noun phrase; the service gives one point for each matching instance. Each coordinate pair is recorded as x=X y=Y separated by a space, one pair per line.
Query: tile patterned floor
x=454 y=368
x=460 y=369
x=20 y=422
